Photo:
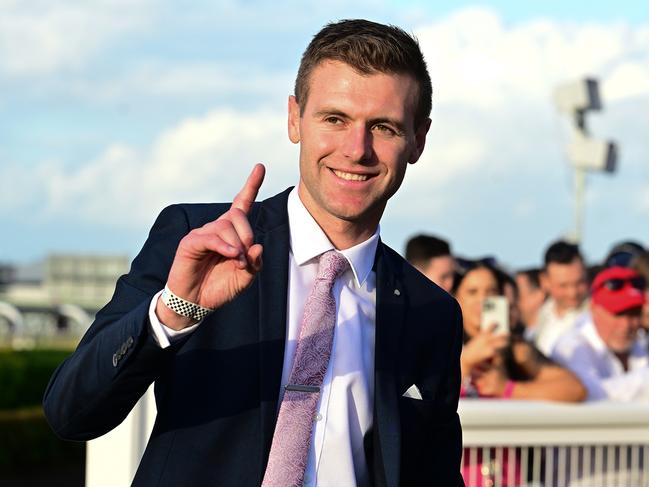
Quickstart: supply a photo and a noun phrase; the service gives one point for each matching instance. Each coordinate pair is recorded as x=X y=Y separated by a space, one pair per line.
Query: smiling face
x=356 y=135
x=567 y=284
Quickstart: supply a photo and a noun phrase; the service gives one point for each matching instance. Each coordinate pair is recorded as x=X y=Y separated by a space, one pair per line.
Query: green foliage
x=29 y=444
x=28 y=447
x=24 y=374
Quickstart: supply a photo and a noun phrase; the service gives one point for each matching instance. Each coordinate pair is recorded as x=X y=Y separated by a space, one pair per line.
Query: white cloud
x=474 y=57
x=180 y=81
x=41 y=36
x=200 y=159
x=628 y=79
x=495 y=132
x=494 y=83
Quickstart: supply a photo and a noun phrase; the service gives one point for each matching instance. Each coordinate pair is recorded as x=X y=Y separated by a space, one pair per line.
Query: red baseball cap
x=618 y=289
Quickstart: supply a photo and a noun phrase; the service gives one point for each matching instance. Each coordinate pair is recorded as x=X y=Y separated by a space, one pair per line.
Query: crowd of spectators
x=573 y=331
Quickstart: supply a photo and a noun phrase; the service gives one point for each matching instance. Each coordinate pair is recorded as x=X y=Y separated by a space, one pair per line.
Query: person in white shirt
x=564 y=279
x=608 y=349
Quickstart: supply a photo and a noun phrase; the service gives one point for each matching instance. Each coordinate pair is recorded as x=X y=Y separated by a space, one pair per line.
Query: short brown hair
x=421 y=248
x=368 y=47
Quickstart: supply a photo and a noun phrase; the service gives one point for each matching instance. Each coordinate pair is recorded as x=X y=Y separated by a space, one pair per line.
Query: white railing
x=112 y=459
x=515 y=443
x=507 y=443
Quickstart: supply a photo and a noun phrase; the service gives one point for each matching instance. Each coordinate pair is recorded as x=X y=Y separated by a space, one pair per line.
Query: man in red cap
x=608 y=350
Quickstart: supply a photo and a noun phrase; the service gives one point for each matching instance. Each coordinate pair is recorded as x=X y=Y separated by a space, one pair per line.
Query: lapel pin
x=397 y=292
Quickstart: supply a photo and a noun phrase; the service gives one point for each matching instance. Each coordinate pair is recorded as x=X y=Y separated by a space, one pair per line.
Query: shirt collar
x=592 y=336
x=309 y=241
x=569 y=314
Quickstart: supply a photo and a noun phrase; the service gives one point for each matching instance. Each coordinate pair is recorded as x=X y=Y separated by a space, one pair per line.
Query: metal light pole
x=585 y=153
x=580 y=178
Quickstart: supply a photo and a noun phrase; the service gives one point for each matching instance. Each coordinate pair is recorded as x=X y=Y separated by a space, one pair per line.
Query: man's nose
x=357 y=145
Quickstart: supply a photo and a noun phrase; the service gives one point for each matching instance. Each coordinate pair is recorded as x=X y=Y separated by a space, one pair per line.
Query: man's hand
x=215 y=263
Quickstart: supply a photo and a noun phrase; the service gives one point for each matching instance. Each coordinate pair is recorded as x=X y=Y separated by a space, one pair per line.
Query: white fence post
x=112 y=459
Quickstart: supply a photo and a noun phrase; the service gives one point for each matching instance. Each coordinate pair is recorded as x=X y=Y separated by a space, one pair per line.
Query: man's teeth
x=350 y=177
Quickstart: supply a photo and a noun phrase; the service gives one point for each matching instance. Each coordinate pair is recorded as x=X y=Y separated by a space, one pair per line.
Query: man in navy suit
x=211 y=307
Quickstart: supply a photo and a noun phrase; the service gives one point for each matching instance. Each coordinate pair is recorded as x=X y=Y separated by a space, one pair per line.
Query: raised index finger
x=246 y=197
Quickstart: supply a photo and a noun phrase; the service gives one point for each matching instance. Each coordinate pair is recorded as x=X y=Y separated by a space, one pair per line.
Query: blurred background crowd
x=568 y=330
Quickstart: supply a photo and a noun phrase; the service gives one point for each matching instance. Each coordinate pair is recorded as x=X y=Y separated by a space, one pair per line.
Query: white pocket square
x=413 y=392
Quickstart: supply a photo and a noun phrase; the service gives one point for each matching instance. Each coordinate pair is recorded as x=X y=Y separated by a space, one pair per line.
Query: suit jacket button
x=129 y=341
x=115 y=359
x=123 y=349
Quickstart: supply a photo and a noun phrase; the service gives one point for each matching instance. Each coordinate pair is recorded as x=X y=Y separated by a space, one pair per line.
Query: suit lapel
x=272 y=231
x=390 y=295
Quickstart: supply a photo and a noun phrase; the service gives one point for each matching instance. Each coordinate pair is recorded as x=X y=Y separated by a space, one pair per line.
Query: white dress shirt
x=551 y=326
x=336 y=457
x=584 y=352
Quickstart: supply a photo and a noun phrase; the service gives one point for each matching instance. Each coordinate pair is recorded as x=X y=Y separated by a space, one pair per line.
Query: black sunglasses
x=616 y=284
x=465 y=265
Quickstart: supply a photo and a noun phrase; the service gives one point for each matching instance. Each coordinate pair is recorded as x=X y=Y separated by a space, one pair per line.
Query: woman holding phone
x=496 y=362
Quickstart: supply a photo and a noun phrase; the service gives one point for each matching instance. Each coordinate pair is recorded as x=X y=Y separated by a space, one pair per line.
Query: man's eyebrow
x=327 y=112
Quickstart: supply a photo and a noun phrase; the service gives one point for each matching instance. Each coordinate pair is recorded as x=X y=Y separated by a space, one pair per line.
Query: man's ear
x=293 y=120
x=420 y=141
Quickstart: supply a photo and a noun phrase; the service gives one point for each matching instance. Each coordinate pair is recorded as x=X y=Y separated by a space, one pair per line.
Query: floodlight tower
x=586 y=154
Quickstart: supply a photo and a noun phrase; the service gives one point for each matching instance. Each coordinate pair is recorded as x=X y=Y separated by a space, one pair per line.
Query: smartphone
x=495 y=311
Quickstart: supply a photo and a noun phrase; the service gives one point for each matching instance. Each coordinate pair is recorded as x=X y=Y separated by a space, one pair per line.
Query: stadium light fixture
x=575 y=99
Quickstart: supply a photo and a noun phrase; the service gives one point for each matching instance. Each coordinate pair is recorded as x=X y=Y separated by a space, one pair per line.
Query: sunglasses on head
x=466 y=265
x=616 y=284
x=620 y=259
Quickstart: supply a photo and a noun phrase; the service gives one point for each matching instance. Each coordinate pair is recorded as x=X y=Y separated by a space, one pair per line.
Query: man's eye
x=384 y=129
x=333 y=120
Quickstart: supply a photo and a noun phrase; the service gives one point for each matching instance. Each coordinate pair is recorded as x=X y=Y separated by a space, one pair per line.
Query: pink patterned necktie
x=292 y=438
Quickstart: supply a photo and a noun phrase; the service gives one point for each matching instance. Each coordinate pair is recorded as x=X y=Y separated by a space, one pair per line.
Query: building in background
x=55 y=299
x=87 y=281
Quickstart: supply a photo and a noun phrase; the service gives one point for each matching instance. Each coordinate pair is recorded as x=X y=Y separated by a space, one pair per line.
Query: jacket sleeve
x=94 y=389
x=446 y=461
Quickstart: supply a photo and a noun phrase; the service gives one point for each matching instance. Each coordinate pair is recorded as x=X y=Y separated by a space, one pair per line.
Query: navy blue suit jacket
x=217 y=391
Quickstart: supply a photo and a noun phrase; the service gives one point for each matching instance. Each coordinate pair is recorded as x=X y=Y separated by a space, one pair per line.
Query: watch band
x=183 y=307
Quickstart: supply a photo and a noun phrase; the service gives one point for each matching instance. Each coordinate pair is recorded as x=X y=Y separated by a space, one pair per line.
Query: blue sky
x=110 y=110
